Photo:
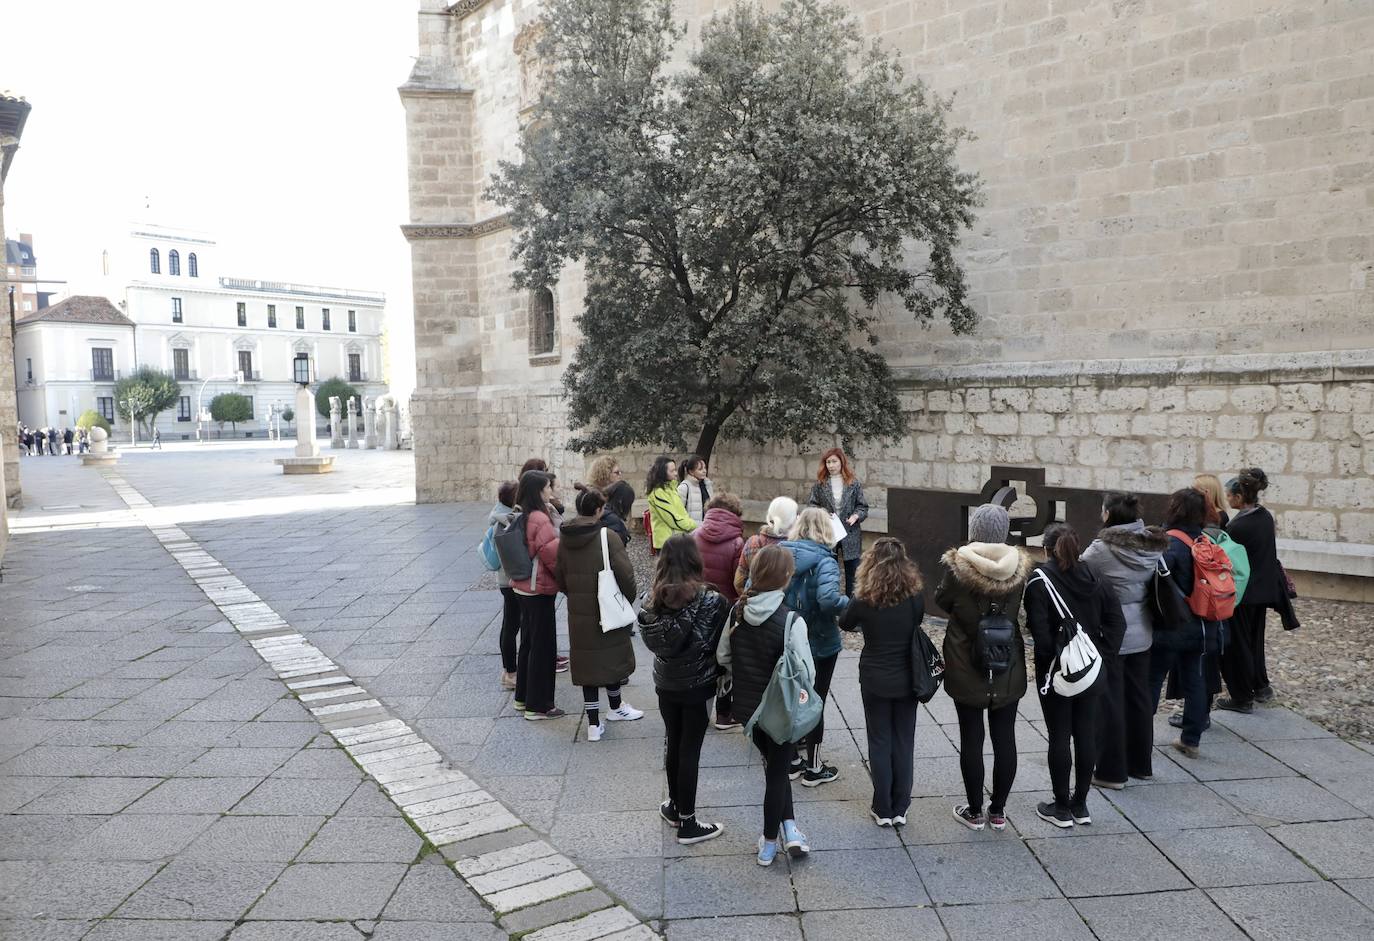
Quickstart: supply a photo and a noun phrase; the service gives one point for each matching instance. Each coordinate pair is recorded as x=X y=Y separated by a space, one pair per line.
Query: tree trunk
x=706 y=441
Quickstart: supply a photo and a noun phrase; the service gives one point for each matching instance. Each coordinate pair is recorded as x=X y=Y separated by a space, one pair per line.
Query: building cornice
x=456 y=230
x=466 y=7
x=433 y=90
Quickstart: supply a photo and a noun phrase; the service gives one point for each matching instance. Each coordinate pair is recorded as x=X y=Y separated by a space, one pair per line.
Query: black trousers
x=1071 y=718
x=891 y=745
x=851 y=568
x=510 y=628
x=1242 y=662
x=684 y=728
x=1125 y=719
x=777 y=786
x=534 y=664
x=1002 y=727
x=825 y=672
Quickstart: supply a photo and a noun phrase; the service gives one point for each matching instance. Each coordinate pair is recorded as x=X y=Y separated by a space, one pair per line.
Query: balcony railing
x=104 y=375
x=357 y=377
x=186 y=375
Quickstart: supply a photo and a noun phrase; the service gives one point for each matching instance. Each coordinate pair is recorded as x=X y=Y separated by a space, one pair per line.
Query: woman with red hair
x=838 y=491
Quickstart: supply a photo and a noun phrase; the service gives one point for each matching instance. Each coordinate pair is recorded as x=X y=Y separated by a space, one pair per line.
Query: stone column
x=390 y=442
x=369 y=424
x=349 y=436
x=306 y=445
x=335 y=423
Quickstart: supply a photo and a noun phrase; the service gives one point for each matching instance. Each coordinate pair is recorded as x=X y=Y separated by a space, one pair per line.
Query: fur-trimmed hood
x=1135 y=536
x=989 y=568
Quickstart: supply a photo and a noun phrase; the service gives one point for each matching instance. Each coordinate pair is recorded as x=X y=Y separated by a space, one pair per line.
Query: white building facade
x=68 y=358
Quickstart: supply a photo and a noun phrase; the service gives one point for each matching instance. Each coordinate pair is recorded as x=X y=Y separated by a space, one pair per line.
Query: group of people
x=50 y=440
x=725 y=613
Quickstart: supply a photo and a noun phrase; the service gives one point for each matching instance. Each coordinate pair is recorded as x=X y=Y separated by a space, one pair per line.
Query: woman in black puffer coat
x=681 y=624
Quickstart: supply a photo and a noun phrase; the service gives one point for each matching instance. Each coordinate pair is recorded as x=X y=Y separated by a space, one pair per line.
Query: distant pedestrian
x=762 y=629
x=157 y=439
x=694 y=488
x=981 y=591
x=52 y=442
x=681 y=624
x=888 y=608
x=39 y=438
x=67 y=436
x=838 y=491
x=600 y=658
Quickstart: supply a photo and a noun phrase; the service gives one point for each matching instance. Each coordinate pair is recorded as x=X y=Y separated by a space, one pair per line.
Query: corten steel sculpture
x=931 y=521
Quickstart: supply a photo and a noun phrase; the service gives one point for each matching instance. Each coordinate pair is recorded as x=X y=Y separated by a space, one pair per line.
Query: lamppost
x=133 y=422
x=236 y=378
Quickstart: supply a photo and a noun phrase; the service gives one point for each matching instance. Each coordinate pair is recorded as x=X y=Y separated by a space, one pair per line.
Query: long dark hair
x=1121 y=507
x=1062 y=545
x=1187 y=507
x=687 y=464
x=658 y=474
x=529 y=496
x=679 y=574
x=589 y=500
x=620 y=498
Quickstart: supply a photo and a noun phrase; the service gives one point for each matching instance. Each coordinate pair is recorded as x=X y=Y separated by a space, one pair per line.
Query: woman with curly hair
x=888 y=609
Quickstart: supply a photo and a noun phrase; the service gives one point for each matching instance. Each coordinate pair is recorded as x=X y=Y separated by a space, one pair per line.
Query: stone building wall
x=1173 y=263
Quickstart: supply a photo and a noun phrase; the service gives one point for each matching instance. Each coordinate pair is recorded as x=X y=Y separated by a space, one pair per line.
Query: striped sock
x=613 y=697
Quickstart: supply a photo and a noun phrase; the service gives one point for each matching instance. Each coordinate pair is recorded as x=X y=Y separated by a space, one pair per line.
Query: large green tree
x=231 y=407
x=144 y=394
x=743 y=220
x=332 y=387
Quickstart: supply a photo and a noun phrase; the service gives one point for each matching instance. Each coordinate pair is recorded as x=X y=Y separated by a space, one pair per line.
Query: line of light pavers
x=536 y=892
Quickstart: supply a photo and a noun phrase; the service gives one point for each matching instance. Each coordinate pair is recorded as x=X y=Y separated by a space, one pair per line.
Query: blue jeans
x=1186 y=666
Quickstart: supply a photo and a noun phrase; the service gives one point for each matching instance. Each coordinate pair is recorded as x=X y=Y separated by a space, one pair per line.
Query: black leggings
x=777 y=786
x=684 y=728
x=534 y=674
x=510 y=628
x=1002 y=726
x=1071 y=718
x=825 y=672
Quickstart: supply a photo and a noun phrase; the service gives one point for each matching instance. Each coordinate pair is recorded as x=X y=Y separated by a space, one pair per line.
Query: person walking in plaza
x=1243 y=662
x=157 y=439
x=1210 y=487
x=536 y=659
x=758 y=635
x=667 y=514
x=52 y=442
x=39 y=437
x=1125 y=555
x=67 y=440
x=888 y=608
x=500 y=516
x=838 y=491
x=814 y=593
x=782 y=513
x=600 y=658
x=694 y=488
x=1064 y=589
x=980 y=592
x=681 y=623
x=720 y=538
x=1183 y=650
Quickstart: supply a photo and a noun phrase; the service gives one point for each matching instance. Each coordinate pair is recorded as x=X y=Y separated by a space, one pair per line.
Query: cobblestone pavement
x=115 y=666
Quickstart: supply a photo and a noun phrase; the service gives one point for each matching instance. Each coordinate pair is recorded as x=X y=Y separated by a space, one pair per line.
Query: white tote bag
x=615 y=610
x=1076 y=668
x=837 y=529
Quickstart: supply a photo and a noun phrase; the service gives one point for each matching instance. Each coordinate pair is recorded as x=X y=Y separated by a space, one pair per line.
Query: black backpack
x=994 y=645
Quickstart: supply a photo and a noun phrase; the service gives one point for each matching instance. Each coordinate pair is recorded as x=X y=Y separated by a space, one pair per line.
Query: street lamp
x=133 y=422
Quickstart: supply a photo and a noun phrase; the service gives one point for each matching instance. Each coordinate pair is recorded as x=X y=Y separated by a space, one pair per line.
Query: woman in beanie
x=985 y=576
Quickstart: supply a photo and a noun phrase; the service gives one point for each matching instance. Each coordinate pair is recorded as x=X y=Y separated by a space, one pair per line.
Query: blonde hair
x=1210 y=487
x=599 y=474
x=782 y=513
x=813 y=524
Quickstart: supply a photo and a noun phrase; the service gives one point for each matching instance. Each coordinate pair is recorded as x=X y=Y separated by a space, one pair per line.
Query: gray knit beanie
x=989 y=523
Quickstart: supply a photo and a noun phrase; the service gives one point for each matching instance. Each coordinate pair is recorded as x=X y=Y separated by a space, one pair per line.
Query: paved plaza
x=235 y=704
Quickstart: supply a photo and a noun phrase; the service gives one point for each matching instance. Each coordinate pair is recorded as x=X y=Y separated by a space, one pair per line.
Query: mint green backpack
x=790 y=707
x=1240 y=560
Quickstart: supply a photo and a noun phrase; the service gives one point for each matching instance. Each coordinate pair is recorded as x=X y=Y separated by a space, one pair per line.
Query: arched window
x=174 y=262
x=154 y=261
x=191 y=268
x=542 y=322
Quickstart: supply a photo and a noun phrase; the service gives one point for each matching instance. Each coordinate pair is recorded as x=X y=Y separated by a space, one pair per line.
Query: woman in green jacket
x=667 y=514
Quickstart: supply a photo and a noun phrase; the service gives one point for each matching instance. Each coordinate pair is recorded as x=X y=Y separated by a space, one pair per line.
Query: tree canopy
x=90 y=418
x=742 y=221
x=144 y=394
x=231 y=407
x=342 y=389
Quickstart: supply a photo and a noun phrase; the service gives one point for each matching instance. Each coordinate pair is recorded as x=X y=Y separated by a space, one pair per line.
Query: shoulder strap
x=1059 y=604
x=605 y=551
x=1181 y=536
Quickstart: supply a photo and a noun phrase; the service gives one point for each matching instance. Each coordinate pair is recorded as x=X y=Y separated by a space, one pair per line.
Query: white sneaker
x=594 y=732
x=626 y=713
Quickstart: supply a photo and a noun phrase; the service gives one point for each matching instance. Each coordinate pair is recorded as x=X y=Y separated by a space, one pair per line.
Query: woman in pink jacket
x=535 y=663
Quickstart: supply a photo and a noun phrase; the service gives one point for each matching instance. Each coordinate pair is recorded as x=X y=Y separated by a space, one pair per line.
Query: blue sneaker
x=768 y=850
x=794 y=839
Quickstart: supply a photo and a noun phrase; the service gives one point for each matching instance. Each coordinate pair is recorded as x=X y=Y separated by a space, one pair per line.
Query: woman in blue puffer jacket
x=817 y=595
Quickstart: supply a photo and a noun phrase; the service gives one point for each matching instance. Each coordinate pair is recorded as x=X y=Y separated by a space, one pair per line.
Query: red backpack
x=1214 y=584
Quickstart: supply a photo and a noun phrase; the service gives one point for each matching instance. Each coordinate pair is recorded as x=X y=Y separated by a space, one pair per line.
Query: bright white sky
x=272 y=125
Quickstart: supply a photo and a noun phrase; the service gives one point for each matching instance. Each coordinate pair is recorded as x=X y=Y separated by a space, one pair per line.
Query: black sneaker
x=965 y=815
x=726 y=722
x=797 y=768
x=1052 y=813
x=1176 y=720
x=1230 y=705
x=692 y=832
x=813 y=777
x=1080 y=814
x=668 y=812
x=1264 y=694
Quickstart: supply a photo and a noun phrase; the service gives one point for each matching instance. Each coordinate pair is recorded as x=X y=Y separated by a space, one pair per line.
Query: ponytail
x=589 y=499
x=1062 y=545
